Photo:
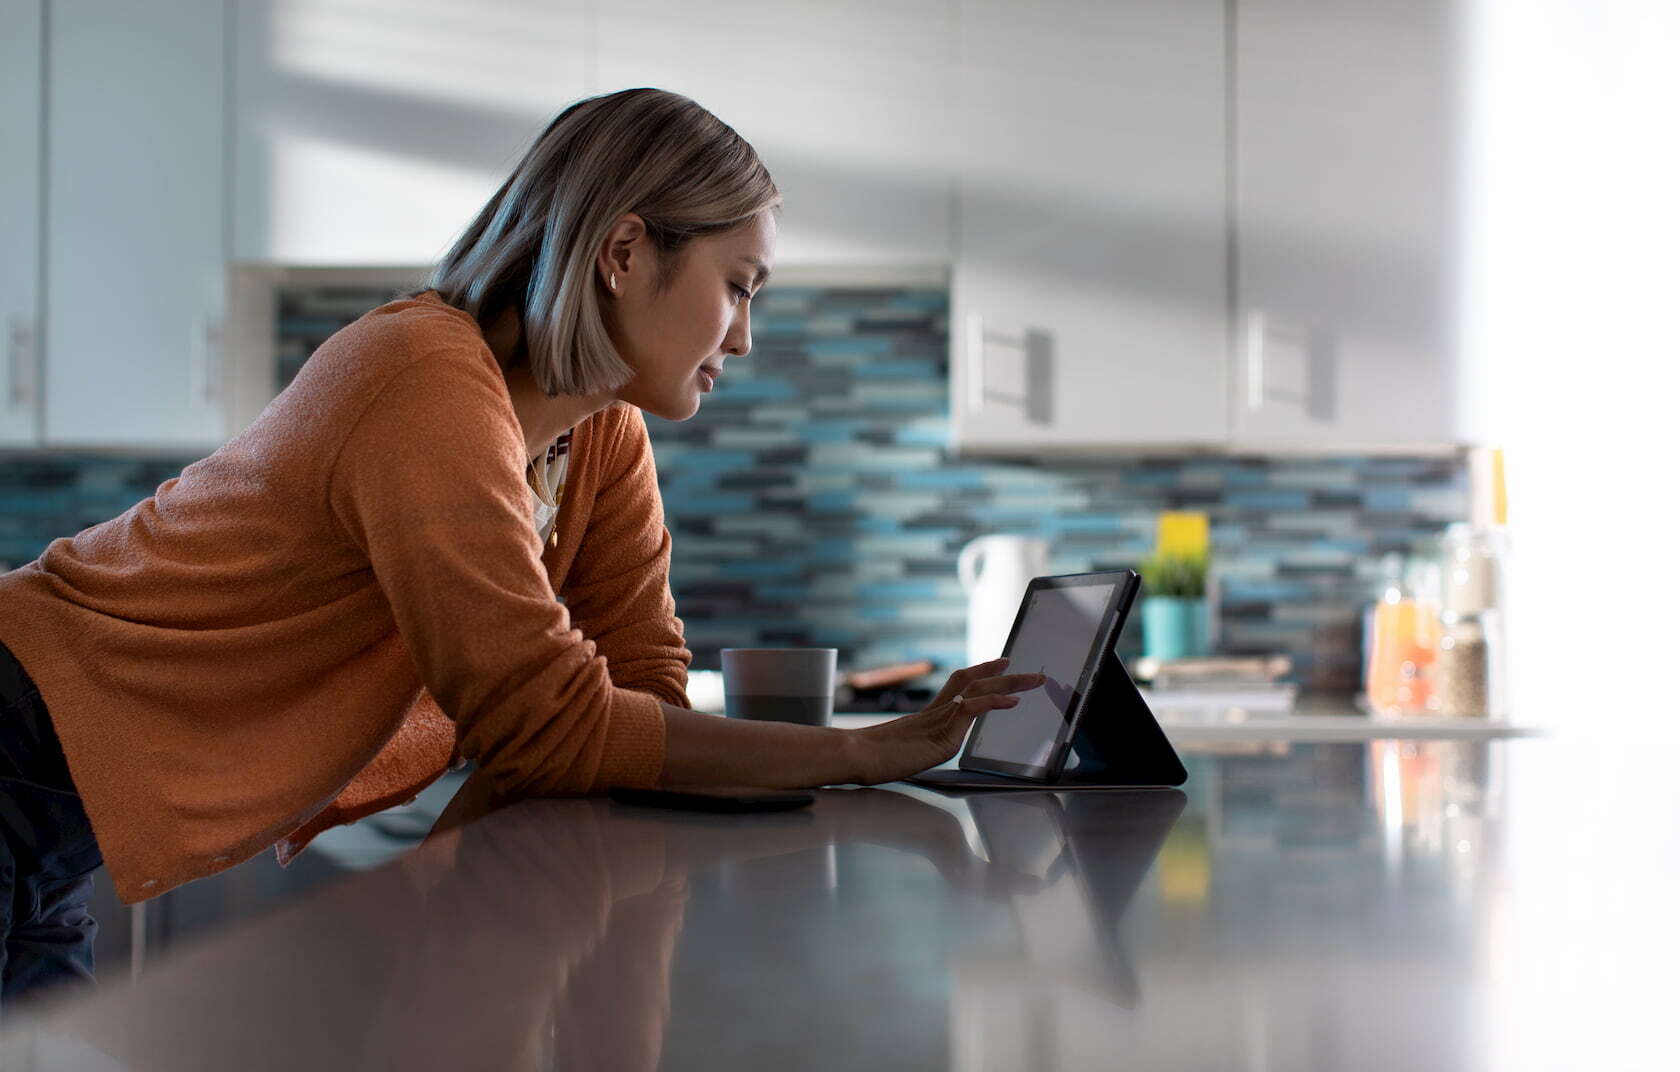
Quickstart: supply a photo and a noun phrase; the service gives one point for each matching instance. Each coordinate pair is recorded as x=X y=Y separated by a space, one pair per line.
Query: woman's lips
x=707 y=379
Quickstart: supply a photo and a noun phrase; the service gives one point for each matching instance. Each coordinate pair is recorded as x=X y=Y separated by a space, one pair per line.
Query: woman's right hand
x=912 y=744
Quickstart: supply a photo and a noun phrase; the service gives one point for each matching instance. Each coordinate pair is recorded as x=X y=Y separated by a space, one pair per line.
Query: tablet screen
x=1056 y=636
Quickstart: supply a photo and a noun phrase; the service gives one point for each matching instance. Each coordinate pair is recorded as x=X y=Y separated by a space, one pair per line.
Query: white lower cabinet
x=134 y=224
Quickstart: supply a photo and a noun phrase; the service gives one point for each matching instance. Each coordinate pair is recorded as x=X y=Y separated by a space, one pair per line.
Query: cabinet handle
x=976 y=346
x=1301 y=374
x=1037 y=355
x=207 y=360
x=1256 y=360
x=20 y=362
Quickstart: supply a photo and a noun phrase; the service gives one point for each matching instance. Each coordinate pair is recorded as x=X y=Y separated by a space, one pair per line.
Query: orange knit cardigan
x=313 y=622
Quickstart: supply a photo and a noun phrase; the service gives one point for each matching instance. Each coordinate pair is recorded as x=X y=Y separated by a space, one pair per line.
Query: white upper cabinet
x=134 y=222
x=849 y=105
x=1089 y=304
x=363 y=139
x=1347 y=204
x=20 y=219
x=368 y=133
x=1198 y=223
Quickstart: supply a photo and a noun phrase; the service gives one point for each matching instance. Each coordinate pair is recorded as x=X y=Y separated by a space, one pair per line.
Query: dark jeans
x=47 y=849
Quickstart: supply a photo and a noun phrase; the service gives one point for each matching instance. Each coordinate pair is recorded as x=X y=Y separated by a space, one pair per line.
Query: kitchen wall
x=811 y=501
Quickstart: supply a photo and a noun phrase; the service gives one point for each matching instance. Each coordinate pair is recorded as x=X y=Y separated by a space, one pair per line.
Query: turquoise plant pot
x=1174 y=627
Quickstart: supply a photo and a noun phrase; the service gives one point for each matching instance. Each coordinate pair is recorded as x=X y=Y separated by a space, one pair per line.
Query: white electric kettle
x=994 y=571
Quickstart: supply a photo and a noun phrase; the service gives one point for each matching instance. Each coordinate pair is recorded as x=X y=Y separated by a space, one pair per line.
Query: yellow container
x=1182 y=533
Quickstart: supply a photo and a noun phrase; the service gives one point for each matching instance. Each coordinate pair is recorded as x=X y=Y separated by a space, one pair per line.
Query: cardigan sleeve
x=428 y=485
x=618 y=587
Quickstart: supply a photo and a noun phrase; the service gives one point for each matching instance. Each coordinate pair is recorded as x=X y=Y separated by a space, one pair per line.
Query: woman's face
x=702 y=318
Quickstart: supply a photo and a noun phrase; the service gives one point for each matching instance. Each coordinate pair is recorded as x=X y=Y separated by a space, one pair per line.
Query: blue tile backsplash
x=811 y=500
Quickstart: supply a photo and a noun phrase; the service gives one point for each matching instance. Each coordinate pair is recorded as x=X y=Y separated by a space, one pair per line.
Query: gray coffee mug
x=780 y=684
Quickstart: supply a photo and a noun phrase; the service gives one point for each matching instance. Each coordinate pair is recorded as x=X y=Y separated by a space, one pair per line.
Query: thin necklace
x=541 y=479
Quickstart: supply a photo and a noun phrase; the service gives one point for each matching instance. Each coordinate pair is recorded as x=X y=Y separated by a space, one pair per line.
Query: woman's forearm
x=702 y=749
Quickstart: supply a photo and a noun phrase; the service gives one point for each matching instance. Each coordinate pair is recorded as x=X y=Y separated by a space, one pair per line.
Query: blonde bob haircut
x=657 y=154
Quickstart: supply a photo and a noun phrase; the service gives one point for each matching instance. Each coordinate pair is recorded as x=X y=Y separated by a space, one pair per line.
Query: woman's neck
x=542 y=419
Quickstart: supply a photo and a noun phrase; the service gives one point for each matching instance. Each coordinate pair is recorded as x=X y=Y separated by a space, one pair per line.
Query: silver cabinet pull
x=20 y=362
x=1037 y=355
x=1301 y=374
x=207 y=360
x=976 y=347
x=1256 y=360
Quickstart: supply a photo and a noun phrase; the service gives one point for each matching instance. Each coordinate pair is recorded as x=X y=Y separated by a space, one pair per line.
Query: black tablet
x=1063 y=629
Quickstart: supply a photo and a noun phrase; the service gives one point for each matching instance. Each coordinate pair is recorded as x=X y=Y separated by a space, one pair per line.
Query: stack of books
x=1218 y=688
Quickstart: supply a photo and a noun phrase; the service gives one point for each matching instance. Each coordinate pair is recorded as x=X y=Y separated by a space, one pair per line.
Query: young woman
x=443 y=541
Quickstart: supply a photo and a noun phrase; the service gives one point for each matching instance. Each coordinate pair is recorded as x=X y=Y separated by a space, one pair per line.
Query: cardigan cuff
x=634 y=752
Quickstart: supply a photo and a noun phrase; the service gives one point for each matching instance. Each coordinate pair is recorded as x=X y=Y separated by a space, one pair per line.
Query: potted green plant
x=1175 y=609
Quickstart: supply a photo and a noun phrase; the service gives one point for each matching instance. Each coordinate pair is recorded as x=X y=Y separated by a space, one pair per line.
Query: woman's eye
x=745 y=295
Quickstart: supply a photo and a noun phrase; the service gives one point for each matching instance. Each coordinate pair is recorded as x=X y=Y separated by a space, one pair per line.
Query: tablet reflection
x=1020 y=1007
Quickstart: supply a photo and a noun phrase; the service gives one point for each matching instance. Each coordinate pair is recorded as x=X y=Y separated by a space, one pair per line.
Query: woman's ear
x=623 y=251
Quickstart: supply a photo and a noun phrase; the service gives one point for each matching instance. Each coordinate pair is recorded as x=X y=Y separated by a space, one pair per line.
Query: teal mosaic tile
x=896 y=590
x=715 y=504
x=1099 y=524
x=1395 y=499
x=788 y=592
x=710 y=461
x=922 y=435
x=829 y=431
x=932 y=302
x=812 y=500
x=871 y=613
x=732 y=389
x=920 y=371
x=749 y=568
x=1280 y=499
x=849 y=347
x=942 y=478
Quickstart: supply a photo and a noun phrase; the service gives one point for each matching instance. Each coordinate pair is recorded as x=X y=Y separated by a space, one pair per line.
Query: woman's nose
x=740 y=337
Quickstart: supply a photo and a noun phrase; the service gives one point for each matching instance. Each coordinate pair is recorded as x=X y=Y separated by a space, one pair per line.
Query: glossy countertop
x=1392 y=904
x=1321 y=722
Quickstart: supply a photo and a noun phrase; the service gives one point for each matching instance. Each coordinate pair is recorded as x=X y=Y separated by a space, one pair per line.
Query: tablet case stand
x=1119 y=745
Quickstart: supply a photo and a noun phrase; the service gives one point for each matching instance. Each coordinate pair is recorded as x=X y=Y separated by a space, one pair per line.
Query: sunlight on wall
x=326 y=192
x=491 y=53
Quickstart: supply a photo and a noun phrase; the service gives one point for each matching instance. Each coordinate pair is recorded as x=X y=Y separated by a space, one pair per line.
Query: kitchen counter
x=1380 y=905
x=1314 y=723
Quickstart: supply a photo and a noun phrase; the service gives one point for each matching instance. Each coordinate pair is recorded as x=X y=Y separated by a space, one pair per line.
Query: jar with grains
x=1468 y=676
x=1462 y=672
